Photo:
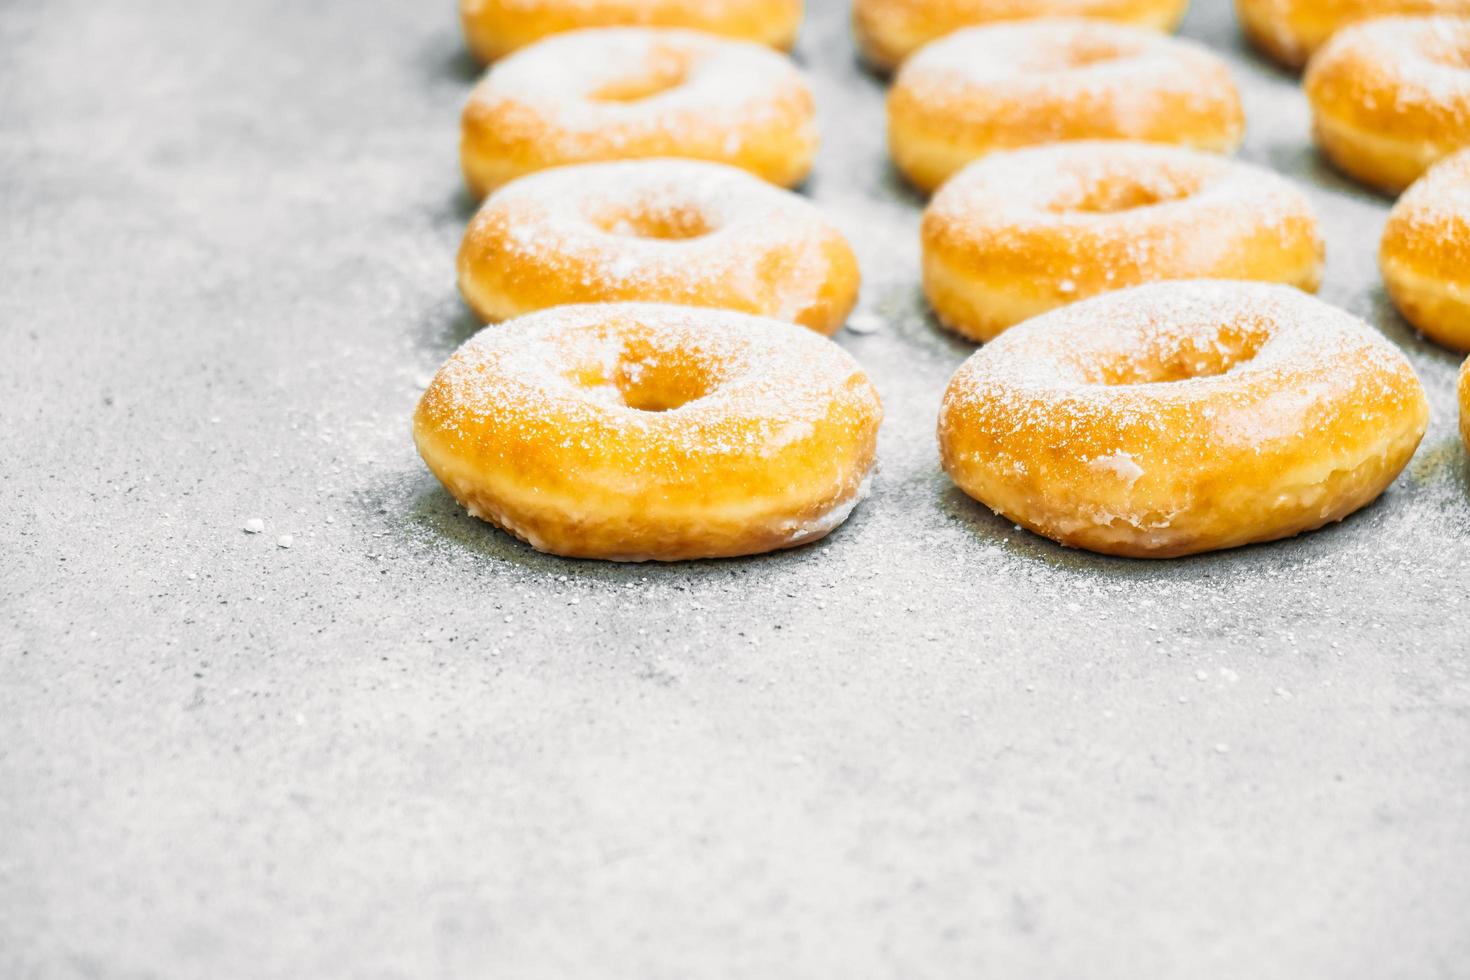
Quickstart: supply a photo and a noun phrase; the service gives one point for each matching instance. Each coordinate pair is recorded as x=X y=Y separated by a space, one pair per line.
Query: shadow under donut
x=436 y=511
x=1001 y=533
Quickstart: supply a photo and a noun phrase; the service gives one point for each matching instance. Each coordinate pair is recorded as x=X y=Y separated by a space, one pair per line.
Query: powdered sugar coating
x=1055 y=224
x=1425 y=252
x=1043 y=80
x=1291 y=30
x=633 y=431
x=890 y=30
x=1152 y=200
x=497 y=27
x=1429 y=227
x=1176 y=416
x=985 y=89
x=1170 y=341
x=1406 y=76
x=678 y=231
x=621 y=93
x=566 y=363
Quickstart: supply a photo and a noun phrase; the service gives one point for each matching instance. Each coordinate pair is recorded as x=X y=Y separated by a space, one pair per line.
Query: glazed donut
x=620 y=93
x=984 y=89
x=495 y=28
x=1182 y=417
x=888 y=31
x=1020 y=233
x=1391 y=96
x=635 y=432
x=1425 y=255
x=1290 y=31
x=667 y=231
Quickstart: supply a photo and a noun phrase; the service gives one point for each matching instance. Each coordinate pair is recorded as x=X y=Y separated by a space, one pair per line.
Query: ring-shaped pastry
x=1005 y=86
x=495 y=28
x=635 y=432
x=1425 y=255
x=624 y=93
x=1017 y=234
x=1291 y=31
x=1182 y=417
x=888 y=31
x=665 y=231
x=1390 y=97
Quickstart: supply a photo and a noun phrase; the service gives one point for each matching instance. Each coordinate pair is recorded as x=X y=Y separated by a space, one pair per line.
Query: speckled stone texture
x=407 y=746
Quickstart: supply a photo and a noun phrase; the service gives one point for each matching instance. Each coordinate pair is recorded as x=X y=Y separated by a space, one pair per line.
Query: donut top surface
x=620 y=79
x=681 y=383
x=1055 y=55
x=1385 y=68
x=1430 y=224
x=891 y=29
x=651 y=219
x=1070 y=193
x=1097 y=180
x=1191 y=366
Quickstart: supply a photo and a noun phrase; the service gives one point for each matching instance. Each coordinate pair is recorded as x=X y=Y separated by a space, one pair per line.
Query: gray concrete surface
x=407 y=746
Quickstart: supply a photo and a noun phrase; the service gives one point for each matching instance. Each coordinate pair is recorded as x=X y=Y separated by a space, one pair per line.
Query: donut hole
x=662 y=221
x=1084 y=52
x=663 y=72
x=1124 y=192
x=1166 y=360
x=646 y=379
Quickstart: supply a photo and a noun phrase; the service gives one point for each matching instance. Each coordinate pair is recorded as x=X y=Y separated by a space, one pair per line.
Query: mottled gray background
x=408 y=746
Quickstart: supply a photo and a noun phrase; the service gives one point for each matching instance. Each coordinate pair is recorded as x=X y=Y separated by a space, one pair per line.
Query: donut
x=495 y=28
x=1464 y=391
x=888 y=31
x=1391 y=96
x=1020 y=233
x=1182 y=417
x=621 y=93
x=1425 y=255
x=1290 y=31
x=1005 y=86
x=642 y=431
x=667 y=231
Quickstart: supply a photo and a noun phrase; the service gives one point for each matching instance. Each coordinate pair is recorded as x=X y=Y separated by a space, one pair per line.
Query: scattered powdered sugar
x=865 y=322
x=679 y=231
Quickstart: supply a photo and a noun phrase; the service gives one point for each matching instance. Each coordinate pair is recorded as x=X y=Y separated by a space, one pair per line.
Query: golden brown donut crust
x=1021 y=233
x=664 y=231
x=627 y=93
x=1391 y=96
x=1464 y=391
x=1004 y=86
x=1182 y=417
x=888 y=31
x=1291 y=31
x=636 y=432
x=495 y=28
x=1425 y=254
